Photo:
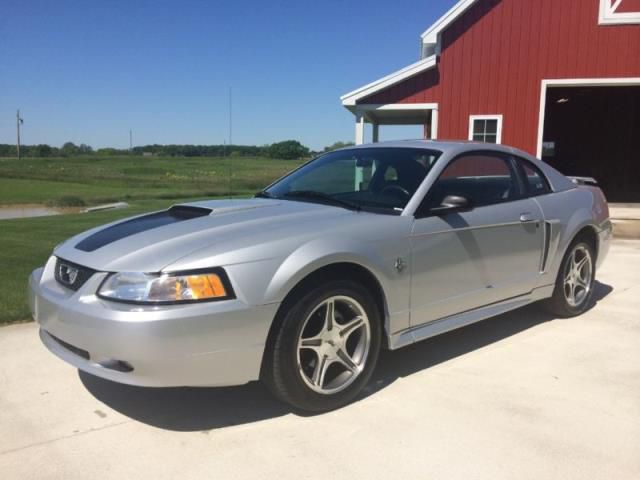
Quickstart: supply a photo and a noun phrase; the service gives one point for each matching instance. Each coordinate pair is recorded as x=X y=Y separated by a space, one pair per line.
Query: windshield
x=364 y=178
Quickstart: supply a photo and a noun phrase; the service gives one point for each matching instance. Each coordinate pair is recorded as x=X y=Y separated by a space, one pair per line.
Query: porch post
x=359 y=127
x=434 y=123
x=375 y=132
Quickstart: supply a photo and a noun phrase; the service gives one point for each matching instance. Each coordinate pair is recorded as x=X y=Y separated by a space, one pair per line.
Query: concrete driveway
x=520 y=396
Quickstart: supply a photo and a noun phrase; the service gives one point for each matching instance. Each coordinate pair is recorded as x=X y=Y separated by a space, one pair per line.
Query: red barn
x=557 y=78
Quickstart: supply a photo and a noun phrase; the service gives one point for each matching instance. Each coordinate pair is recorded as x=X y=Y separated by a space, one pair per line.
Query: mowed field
x=147 y=184
x=98 y=179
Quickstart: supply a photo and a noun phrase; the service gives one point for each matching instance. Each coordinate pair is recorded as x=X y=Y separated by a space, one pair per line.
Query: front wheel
x=574 y=284
x=325 y=347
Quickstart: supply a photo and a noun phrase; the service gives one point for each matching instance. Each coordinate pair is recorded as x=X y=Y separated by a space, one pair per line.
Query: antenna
x=19 y=121
x=130 y=140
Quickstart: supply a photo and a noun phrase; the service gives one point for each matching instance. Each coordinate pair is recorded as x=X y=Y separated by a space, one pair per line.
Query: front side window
x=482 y=178
x=485 y=128
x=366 y=178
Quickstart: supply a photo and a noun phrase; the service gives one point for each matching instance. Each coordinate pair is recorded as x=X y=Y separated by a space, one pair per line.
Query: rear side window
x=535 y=181
x=482 y=178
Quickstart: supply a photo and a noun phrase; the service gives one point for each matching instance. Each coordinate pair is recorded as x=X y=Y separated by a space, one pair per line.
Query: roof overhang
x=430 y=50
x=350 y=99
x=397 y=113
x=432 y=34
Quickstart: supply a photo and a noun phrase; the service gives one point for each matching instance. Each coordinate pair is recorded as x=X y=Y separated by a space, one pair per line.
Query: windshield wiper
x=313 y=195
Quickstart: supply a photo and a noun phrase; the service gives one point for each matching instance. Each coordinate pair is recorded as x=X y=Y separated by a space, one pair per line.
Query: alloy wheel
x=577 y=276
x=333 y=344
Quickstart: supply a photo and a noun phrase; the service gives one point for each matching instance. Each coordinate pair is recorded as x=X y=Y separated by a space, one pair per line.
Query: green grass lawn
x=146 y=183
x=97 y=179
x=26 y=243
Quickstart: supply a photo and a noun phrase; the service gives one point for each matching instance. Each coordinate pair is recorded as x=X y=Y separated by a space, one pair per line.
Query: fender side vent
x=545 y=249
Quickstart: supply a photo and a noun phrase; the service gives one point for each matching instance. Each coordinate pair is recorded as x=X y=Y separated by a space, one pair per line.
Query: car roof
x=448 y=146
x=452 y=148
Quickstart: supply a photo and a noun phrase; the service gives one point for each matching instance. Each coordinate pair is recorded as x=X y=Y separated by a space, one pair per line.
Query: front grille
x=71 y=275
x=78 y=351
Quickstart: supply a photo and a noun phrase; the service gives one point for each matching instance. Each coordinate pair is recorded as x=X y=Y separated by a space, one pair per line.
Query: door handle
x=526 y=217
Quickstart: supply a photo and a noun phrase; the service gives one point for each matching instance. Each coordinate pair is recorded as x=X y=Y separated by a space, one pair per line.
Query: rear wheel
x=574 y=284
x=325 y=347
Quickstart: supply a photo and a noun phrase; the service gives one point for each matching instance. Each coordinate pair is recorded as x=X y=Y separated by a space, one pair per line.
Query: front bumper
x=208 y=344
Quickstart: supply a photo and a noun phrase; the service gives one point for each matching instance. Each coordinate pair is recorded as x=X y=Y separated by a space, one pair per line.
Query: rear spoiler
x=584 y=181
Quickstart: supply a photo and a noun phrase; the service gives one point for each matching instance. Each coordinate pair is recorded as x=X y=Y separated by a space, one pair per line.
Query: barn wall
x=496 y=54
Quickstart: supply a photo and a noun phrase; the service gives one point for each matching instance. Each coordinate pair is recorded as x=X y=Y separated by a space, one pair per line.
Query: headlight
x=166 y=288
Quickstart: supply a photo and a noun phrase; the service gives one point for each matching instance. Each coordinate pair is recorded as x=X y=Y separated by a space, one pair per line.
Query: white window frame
x=608 y=15
x=498 y=117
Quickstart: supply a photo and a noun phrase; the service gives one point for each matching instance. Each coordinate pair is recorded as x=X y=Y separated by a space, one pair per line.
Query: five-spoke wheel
x=325 y=345
x=574 y=284
x=577 y=276
x=334 y=344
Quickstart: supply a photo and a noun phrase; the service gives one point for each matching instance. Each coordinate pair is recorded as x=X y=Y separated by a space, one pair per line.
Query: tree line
x=288 y=149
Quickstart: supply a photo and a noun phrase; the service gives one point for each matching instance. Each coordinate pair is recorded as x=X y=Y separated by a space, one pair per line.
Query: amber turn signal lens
x=206 y=286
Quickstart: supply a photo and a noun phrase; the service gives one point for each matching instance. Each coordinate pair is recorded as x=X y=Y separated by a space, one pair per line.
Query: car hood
x=151 y=242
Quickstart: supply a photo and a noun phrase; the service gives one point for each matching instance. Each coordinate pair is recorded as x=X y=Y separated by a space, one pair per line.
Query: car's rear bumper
x=215 y=343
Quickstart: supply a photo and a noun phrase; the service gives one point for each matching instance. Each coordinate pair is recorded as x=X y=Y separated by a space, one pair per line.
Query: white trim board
x=350 y=99
x=498 y=117
x=431 y=35
x=574 y=82
x=372 y=107
x=607 y=14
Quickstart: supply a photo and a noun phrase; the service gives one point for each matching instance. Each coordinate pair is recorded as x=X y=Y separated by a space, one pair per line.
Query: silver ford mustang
x=370 y=247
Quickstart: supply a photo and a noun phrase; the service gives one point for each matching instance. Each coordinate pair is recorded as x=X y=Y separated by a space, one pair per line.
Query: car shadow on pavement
x=203 y=409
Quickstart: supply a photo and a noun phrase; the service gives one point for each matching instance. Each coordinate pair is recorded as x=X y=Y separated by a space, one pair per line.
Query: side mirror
x=451 y=204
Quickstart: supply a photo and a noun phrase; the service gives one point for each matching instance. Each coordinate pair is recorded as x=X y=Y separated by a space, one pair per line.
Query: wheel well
x=589 y=235
x=333 y=271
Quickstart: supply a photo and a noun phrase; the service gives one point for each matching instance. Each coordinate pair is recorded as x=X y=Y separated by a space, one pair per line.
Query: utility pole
x=230 y=119
x=130 y=141
x=19 y=121
x=230 y=147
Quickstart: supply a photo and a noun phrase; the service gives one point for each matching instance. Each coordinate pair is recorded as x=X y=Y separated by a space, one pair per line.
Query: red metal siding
x=496 y=54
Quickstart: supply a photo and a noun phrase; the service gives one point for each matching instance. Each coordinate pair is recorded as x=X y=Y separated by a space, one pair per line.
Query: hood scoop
x=177 y=213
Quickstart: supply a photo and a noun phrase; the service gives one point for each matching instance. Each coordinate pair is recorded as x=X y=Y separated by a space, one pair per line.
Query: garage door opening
x=594 y=131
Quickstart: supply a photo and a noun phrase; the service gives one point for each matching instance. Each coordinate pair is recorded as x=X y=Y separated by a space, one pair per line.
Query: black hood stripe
x=177 y=213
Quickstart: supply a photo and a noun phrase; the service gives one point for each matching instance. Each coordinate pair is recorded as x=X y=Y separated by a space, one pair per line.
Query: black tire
x=559 y=303
x=281 y=370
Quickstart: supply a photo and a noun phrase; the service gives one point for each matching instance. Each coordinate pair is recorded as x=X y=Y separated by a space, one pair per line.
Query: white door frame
x=575 y=82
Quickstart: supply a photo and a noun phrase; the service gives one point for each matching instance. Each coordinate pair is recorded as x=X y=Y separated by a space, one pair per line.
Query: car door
x=466 y=259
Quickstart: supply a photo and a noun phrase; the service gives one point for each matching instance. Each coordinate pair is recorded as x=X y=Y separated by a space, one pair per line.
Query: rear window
x=534 y=179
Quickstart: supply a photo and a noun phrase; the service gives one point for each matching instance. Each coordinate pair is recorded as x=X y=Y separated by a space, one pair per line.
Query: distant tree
x=287 y=150
x=338 y=145
x=85 y=149
x=69 y=148
x=7 y=150
x=42 y=150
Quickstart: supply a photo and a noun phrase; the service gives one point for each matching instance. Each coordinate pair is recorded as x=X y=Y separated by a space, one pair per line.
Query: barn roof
x=430 y=50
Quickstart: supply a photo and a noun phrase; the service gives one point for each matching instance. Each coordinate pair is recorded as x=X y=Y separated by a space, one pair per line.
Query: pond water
x=25 y=211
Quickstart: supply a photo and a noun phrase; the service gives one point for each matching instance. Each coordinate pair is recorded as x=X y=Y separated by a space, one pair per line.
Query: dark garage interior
x=595 y=132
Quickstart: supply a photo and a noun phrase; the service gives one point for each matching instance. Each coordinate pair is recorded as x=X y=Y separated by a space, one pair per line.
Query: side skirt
x=436 y=327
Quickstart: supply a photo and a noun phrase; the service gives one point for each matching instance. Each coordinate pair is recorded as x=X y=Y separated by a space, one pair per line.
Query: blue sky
x=88 y=71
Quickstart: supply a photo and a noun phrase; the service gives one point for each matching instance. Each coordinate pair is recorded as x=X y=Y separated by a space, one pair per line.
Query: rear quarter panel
x=567 y=213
